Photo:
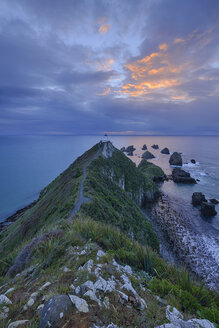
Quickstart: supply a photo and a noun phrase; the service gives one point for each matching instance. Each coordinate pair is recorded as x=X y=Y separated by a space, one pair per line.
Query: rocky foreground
x=84 y=255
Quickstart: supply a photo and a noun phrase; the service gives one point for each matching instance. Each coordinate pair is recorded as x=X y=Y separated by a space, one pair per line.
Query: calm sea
x=28 y=164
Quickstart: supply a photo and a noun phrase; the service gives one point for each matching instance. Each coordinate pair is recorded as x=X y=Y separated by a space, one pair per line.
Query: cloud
x=85 y=67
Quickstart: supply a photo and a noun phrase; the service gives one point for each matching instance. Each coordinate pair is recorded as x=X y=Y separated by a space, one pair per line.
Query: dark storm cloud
x=92 y=66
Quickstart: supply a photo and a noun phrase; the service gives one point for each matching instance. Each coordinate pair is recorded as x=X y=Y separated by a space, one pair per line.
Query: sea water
x=29 y=163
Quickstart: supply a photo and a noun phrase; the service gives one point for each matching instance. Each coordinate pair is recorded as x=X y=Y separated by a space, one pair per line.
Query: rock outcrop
x=155 y=146
x=175 y=159
x=180 y=176
x=144 y=147
x=147 y=155
x=165 y=151
x=176 y=320
x=208 y=209
x=56 y=309
x=198 y=198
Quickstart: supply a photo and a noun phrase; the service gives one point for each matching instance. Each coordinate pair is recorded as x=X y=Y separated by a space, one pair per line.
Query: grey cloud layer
x=61 y=74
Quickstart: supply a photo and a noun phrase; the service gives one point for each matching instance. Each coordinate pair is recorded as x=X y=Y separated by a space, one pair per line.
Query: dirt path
x=81 y=198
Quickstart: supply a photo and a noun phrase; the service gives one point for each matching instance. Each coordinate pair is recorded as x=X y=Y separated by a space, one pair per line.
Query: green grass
x=55 y=202
x=111 y=204
x=150 y=170
x=169 y=281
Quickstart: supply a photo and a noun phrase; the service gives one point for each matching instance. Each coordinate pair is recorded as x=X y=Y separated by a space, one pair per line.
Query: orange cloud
x=105 y=92
x=163 y=46
x=103 y=29
x=178 y=40
x=155 y=71
x=105 y=65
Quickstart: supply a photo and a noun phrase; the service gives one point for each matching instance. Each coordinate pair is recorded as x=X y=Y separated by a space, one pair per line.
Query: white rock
x=100 y=253
x=91 y=294
x=30 y=302
x=127 y=269
x=45 y=286
x=77 y=290
x=41 y=306
x=122 y=296
x=87 y=266
x=105 y=286
x=34 y=295
x=9 y=291
x=97 y=270
x=89 y=284
x=83 y=252
x=4 y=313
x=106 y=302
x=100 y=284
x=4 y=300
x=17 y=323
x=204 y=323
x=72 y=287
x=80 y=304
x=174 y=315
x=128 y=286
x=61 y=315
x=176 y=320
x=143 y=304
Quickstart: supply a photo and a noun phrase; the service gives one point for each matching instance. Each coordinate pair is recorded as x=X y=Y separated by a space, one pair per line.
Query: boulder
x=193 y=161
x=175 y=159
x=155 y=146
x=80 y=304
x=180 y=176
x=165 y=151
x=147 y=155
x=4 y=300
x=130 y=148
x=144 y=147
x=198 y=198
x=130 y=153
x=122 y=149
x=55 y=309
x=214 y=201
x=208 y=209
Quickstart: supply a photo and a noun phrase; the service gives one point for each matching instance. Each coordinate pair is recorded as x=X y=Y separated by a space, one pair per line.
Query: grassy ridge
x=113 y=221
x=105 y=182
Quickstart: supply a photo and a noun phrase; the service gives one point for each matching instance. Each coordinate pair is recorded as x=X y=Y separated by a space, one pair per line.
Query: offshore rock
x=208 y=209
x=198 y=198
x=147 y=155
x=155 y=146
x=175 y=159
x=193 y=161
x=180 y=176
x=214 y=201
x=144 y=147
x=165 y=151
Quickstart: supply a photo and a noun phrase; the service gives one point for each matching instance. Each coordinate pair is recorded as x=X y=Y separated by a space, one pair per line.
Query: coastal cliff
x=84 y=255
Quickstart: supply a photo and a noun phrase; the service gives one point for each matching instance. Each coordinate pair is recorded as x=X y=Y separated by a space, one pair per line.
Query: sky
x=129 y=67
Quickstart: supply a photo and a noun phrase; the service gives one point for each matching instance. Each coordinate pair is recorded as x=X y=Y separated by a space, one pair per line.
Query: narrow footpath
x=81 y=198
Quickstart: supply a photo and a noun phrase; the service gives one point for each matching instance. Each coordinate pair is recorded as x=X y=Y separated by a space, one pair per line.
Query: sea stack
x=175 y=159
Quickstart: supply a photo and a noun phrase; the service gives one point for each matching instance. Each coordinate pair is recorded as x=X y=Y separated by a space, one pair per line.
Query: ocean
x=29 y=163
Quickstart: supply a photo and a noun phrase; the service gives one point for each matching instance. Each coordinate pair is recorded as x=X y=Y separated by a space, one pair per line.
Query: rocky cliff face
x=97 y=267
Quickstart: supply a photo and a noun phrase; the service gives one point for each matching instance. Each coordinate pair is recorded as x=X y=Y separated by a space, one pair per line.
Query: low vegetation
x=113 y=222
